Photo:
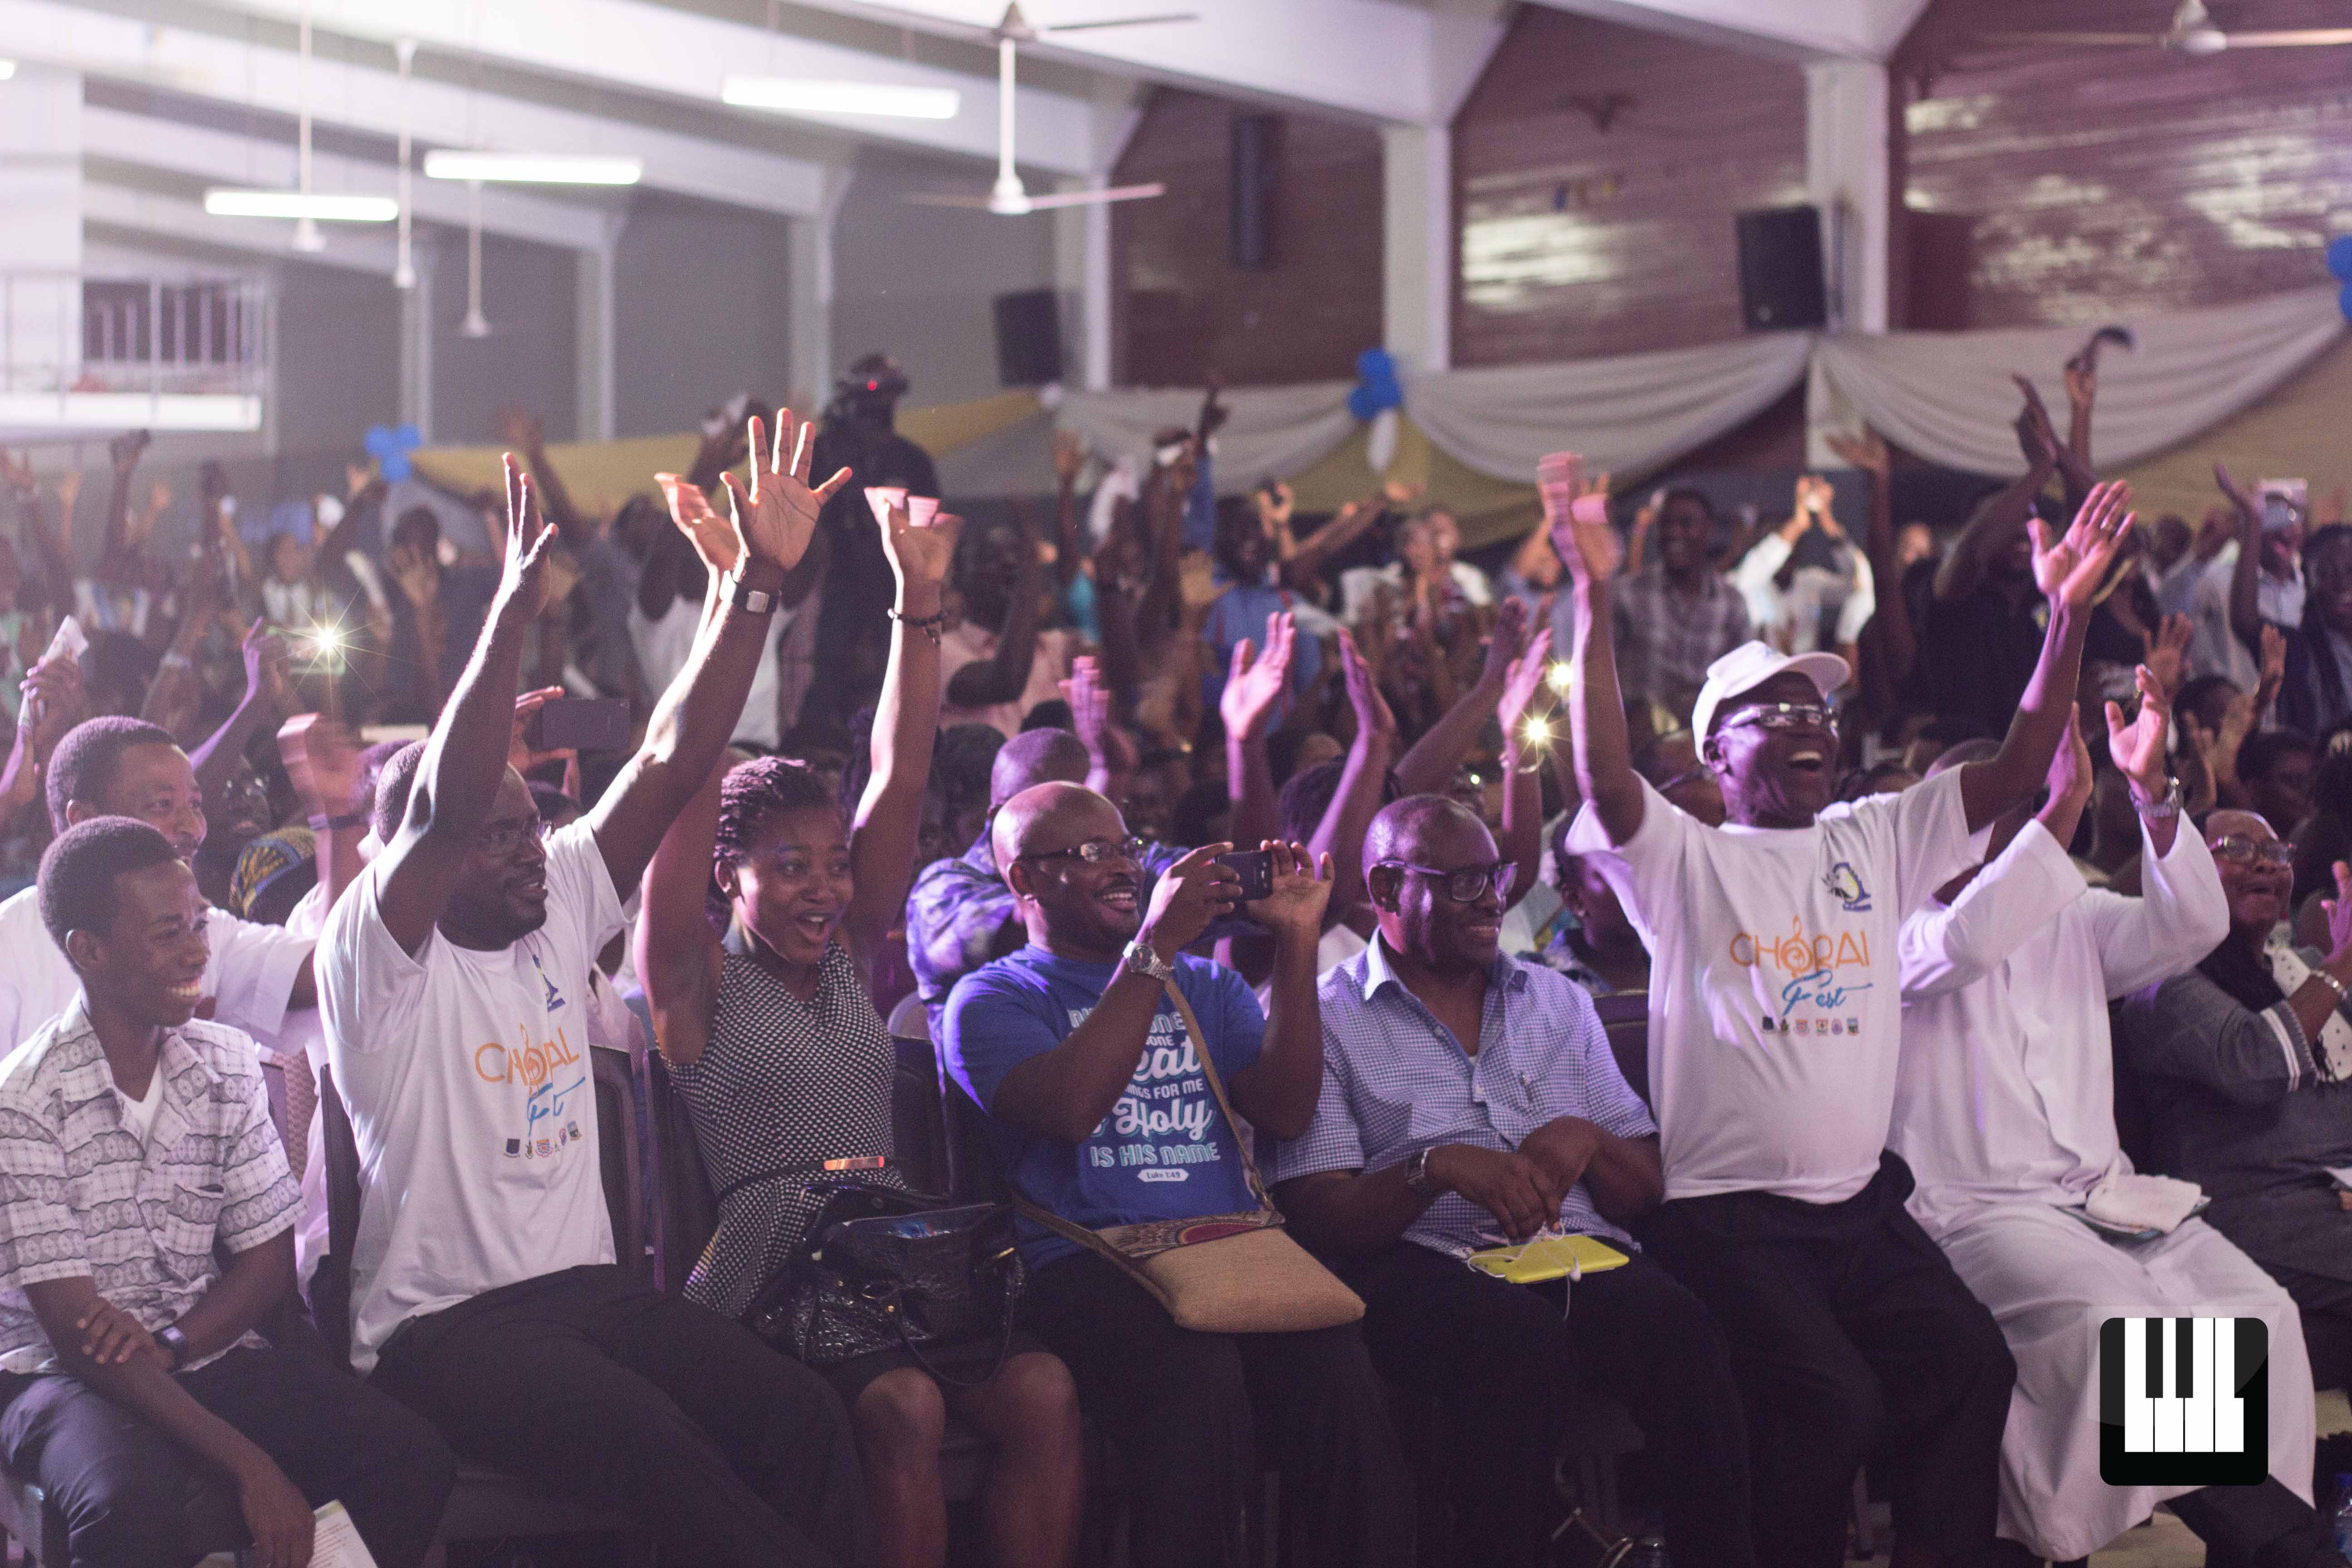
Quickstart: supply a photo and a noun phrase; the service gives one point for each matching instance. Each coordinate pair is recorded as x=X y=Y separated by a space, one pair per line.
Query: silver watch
x=2165 y=806
x=1140 y=959
x=1416 y=1176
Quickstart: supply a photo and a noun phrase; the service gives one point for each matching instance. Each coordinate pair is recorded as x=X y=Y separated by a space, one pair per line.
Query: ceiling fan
x=2192 y=32
x=1008 y=196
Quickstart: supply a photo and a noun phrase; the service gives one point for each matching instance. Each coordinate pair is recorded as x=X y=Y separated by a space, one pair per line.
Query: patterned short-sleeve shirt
x=81 y=1196
x=1395 y=1081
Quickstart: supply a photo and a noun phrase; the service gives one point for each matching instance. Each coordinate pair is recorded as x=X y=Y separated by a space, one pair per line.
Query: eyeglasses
x=1095 y=852
x=2244 y=850
x=1689 y=776
x=506 y=838
x=1463 y=884
x=1784 y=715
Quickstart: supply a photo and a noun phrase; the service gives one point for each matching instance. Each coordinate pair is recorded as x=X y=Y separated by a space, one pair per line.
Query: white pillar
x=40 y=229
x=1082 y=280
x=594 y=367
x=417 y=340
x=1417 y=254
x=809 y=277
x=1848 y=174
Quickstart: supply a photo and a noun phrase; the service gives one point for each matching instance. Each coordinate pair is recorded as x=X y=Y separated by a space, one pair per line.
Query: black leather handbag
x=882 y=1268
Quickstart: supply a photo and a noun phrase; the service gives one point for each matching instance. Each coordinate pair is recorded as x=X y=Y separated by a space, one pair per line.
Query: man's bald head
x=1055 y=814
x=1036 y=757
x=1405 y=829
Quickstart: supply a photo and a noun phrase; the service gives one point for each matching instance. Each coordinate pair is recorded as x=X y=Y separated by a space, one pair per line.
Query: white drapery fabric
x=1273 y=432
x=1628 y=413
x=1947 y=397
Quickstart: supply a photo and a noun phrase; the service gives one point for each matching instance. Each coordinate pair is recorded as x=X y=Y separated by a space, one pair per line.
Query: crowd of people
x=1987 y=888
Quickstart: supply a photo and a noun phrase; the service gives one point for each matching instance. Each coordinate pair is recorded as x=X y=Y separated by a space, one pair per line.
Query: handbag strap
x=1217 y=1087
x=808 y=1168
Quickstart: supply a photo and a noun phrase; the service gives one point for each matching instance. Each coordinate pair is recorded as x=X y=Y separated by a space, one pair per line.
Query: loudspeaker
x=1255 y=151
x=1028 y=338
x=1780 y=285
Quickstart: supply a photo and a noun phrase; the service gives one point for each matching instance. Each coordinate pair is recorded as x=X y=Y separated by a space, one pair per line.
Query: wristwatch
x=175 y=1342
x=1139 y=959
x=2167 y=805
x=751 y=601
x=1416 y=1175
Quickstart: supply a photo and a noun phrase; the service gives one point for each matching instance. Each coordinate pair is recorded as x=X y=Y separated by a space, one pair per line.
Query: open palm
x=920 y=551
x=713 y=536
x=1257 y=680
x=2070 y=569
x=2137 y=748
x=1581 y=533
x=1526 y=678
x=775 y=516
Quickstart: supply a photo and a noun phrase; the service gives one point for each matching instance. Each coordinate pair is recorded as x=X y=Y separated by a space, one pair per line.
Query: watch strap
x=1139 y=958
x=174 y=1341
x=750 y=600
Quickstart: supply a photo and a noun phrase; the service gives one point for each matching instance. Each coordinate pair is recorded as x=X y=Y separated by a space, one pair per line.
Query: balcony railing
x=184 y=353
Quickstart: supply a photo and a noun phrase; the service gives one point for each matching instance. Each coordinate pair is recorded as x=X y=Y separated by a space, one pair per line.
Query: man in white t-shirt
x=454 y=982
x=126 y=767
x=1774 y=1026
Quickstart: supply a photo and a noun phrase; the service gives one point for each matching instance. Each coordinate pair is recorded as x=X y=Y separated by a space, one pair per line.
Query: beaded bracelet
x=927 y=625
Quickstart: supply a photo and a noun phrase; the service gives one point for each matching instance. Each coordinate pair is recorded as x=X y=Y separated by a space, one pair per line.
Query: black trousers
x=1848 y=1330
x=1187 y=1411
x=122 y=1483
x=1503 y=1363
x=727 y=1452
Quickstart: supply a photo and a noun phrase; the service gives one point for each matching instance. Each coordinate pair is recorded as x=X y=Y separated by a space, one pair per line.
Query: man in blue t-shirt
x=1101 y=1114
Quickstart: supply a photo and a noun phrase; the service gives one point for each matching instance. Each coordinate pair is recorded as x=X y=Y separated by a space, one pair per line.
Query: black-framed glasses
x=1095 y=852
x=1784 y=715
x=1464 y=883
x=2244 y=851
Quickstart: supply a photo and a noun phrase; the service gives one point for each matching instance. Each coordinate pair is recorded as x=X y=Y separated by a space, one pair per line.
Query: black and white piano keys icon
x=2184 y=1401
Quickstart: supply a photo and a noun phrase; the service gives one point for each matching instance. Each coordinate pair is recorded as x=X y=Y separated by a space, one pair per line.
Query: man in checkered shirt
x=1470 y=1099
x=135 y=1143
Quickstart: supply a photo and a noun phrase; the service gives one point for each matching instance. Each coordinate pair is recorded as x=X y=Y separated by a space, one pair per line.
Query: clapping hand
x=713 y=536
x=265 y=666
x=2070 y=569
x=776 y=516
x=1301 y=889
x=2168 y=660
x=322 y=759
x=1255 y=682
x=1866 y=451
x=1503 y=645
x=919 y=553
x=1581 y=533
x=1524 y=679
x=1371 y=709
x=2137 y=748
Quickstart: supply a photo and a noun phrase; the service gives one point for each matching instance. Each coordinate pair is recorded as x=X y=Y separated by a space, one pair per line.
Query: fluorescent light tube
x=533 y=168
x=295 y=205
x=796 y=95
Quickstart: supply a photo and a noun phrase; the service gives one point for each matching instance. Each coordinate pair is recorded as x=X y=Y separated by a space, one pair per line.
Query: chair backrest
x=331 y=1284
x=686 y=1212
x=917 y=1123
x=1626 y=1017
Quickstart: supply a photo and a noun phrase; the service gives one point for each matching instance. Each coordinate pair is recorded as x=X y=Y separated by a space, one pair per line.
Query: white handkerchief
x=334 y=1543
x=2143 y=1202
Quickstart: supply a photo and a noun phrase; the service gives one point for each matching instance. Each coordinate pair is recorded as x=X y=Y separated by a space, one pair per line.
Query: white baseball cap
x=1751 y=665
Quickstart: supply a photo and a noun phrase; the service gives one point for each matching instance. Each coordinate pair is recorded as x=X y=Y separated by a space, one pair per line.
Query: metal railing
x=71 y=332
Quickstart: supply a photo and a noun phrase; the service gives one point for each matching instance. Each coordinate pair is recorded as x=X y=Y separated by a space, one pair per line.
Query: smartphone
x=2284 y=502
x=580 y=724
x=1256 y=868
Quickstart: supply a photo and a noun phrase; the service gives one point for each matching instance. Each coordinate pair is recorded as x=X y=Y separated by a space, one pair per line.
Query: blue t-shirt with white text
x=1165 y=1152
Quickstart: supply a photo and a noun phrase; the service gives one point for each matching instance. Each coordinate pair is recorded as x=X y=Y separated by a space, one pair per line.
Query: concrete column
x=1848 y=174
x=1082 y=278
x=594 y=367
x=40 y=229
x=1417 y=254
x=417 y=340
x=809 y=278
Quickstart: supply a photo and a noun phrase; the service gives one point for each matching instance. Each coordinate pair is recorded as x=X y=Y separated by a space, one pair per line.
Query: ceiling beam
x=224 y=158
x=1796 y=30
x=174 y=217
x=671 y=54
x=229 y=70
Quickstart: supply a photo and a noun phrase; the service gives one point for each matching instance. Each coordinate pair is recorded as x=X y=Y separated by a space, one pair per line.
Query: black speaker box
x=1780 y=285
x=1028 y=338
x=1256 y=152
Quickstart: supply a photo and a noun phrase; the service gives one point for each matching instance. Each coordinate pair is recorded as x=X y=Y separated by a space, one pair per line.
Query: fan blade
x=1122 y=22
x=2083 y=41
x=1086 y=198
x=946 y=199
x=2302 y=38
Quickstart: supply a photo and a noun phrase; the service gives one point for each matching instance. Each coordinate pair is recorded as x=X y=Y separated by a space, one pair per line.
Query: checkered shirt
x=1396 y=1082
x=80 y=1198
x=1665 y=639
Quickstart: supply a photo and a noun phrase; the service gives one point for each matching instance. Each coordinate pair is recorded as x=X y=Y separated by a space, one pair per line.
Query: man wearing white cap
x=1774 y=1024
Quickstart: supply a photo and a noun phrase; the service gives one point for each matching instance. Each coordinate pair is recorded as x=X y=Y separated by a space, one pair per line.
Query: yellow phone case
x=1548 y=1257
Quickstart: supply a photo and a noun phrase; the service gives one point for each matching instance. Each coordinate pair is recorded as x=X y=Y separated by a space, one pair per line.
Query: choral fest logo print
x=2184 y=1402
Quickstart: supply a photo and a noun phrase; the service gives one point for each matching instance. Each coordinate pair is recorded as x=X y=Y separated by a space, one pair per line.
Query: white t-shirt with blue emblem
x=1776 y=1016
x=466 y=1077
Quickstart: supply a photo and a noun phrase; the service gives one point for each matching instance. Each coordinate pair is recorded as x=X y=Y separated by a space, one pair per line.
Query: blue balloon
x=389 y=445
x=2340 y=257
x=1377 y=386
x=2344 y=301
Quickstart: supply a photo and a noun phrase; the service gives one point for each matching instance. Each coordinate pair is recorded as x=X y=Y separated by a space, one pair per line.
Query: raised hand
x=125 y=448
x=2137 y=748
x=1866 y=450
x=52 y=703
x=522 y=755
x=1521 y=682
x=416 y=577
x=1371 y=709
x=357 y=477
x=776 y=517
x=523 y=583
x=1301 y=889
x=322 y=759
x=265 y=666
x=2273 y=668
x=522 y=430
x=2070 y=569
x=2168 y=659
x=1275 y=503
x=1503 y=645
x=1581 y=533
x=713 y=536
x=1255 y=682
x=1187 y=897
x=919 y=553
x=2036 y=436
x=2071 y=777
x=1089 y=703
x=2239 y=496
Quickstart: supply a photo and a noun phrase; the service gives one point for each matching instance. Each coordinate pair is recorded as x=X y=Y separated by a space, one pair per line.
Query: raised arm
x=678 y=953
x=1254 y=689
x=1527 y=746
x=123 y=453
x=466 y=754
x=1278 y=1091
x=1889 y=641
x=1430 y=765
x=2001 y=517
x=906 y=723
x=773 y=520
x=2246 y=580
x=2069 y=571
x=265 y=699
x=1005 y=677
x=1340 y=834
x=57 y=571
x=527 y=432
x=1596 y=714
